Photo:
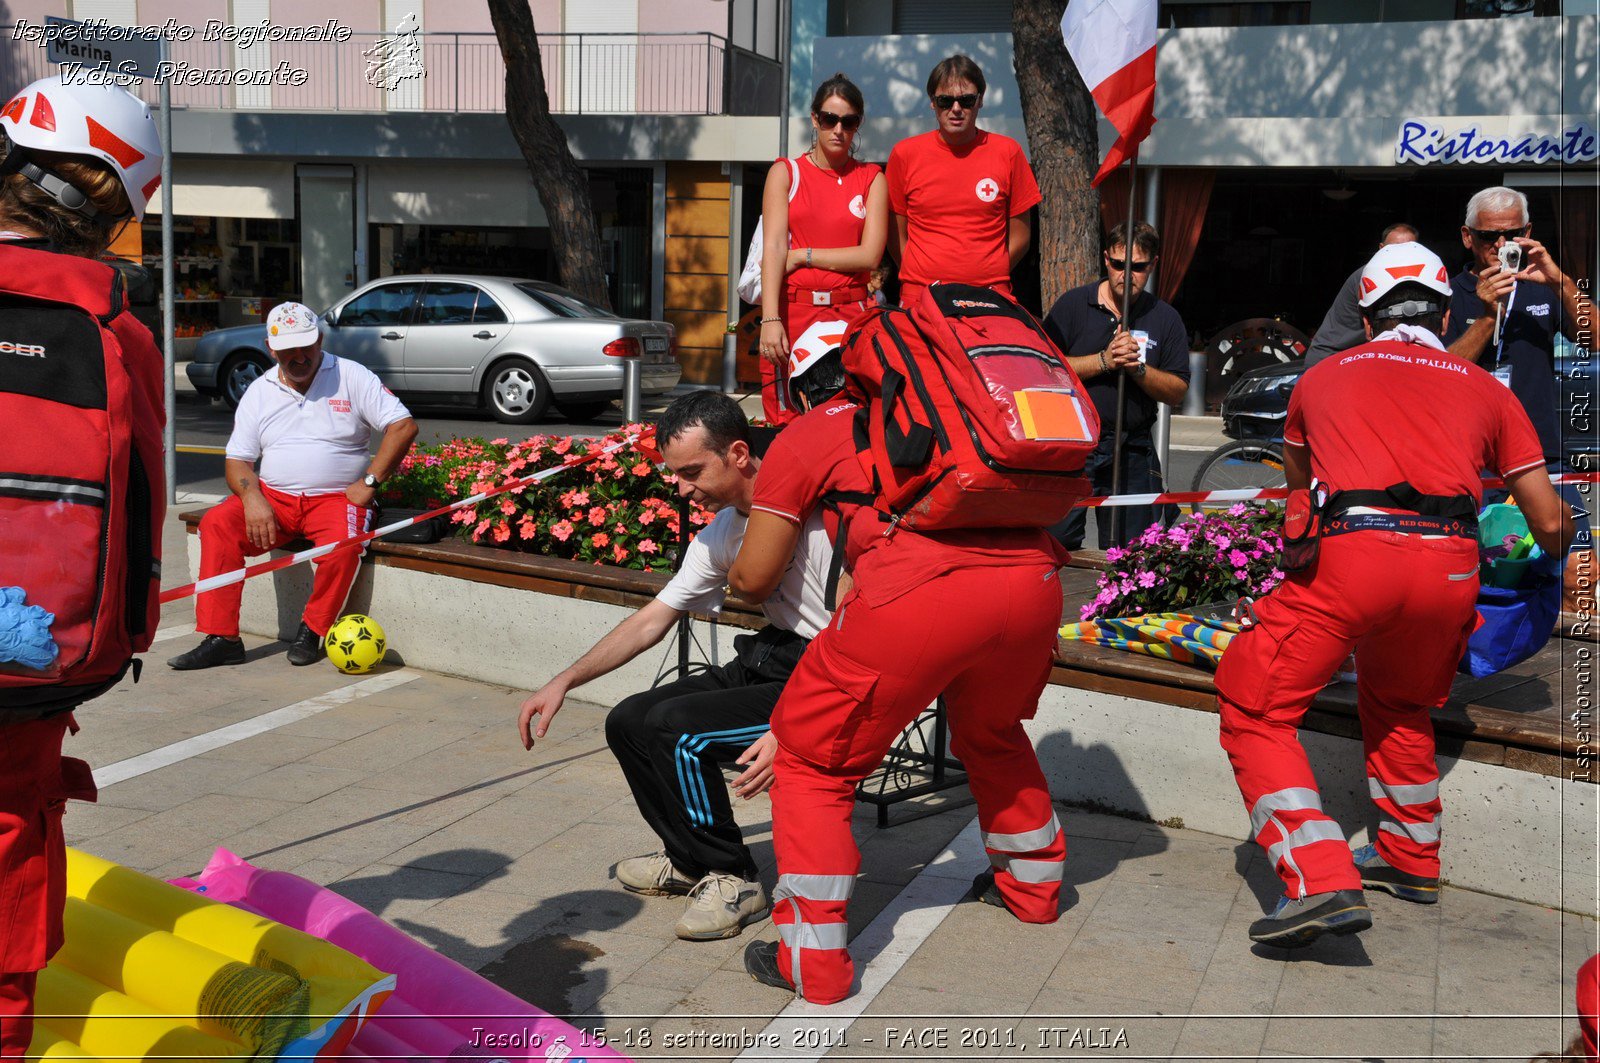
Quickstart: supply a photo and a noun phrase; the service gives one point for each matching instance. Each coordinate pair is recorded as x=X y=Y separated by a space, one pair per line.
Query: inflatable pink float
x=439 y=1009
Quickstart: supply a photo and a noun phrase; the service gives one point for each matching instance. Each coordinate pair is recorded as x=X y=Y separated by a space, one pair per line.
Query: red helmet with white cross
x=104 y=122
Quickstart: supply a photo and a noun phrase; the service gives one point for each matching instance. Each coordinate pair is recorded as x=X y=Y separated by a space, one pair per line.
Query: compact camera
x=1510 y=257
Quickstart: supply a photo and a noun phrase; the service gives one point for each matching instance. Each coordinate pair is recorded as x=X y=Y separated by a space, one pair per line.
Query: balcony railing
x=585 y=73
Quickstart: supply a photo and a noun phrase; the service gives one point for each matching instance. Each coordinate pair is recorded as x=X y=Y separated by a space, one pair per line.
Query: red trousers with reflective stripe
x=982 y=637
x=321 y=518
x=35 y=783
x=1405 y=604
x=1589 y=1006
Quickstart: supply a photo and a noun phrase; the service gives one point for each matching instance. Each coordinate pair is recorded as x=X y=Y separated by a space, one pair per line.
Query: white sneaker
x=653 y=875
x=720 y=905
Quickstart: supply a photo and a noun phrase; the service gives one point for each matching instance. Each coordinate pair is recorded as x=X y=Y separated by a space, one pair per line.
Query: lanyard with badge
x=1502 y=371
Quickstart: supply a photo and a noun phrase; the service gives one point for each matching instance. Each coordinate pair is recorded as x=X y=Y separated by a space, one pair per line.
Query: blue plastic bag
x=1516 y=622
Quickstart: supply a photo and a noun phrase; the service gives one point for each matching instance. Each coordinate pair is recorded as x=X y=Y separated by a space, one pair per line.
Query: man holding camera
x=1505 y=309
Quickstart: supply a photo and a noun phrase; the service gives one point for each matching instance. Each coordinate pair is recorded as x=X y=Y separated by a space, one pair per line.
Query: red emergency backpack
x=82 y=490
x=972 y=418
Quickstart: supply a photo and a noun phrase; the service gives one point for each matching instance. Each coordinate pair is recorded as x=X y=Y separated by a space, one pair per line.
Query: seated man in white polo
x=308 y=423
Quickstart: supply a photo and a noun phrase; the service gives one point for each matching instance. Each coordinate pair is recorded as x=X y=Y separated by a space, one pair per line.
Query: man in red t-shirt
x=970 y=615
x=960 y=195
x=1394 y=433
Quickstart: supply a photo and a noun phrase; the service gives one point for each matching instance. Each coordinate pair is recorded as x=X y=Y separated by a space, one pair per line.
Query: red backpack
x=973 y=417
x=82 y=490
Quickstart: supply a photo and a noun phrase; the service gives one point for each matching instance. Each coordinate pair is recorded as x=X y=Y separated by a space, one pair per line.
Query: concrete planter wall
x=1507 y=831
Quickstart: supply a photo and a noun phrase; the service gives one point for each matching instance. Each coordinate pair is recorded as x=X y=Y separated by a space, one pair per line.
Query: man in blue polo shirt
x=1086 y=323
x=1533 y=304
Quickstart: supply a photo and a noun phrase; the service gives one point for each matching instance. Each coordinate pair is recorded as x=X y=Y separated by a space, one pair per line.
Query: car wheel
x=239 y=371
x=515 y=392
x=584 y=411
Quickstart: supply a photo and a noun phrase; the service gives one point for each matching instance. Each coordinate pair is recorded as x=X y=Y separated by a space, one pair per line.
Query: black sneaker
x=307 y=647
x=761 y=961
x=1299 y=921
x=984 y=889
x=212 y=651
x=1378 y=874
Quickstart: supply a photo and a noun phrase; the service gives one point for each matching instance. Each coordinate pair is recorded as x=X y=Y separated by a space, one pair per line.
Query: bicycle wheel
x=1238 y=464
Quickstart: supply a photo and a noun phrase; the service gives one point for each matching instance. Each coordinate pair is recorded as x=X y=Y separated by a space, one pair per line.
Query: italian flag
x=1113 y=43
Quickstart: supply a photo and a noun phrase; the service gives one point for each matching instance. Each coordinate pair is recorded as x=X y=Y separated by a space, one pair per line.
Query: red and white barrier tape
x=1261 y=494
x=239 y=575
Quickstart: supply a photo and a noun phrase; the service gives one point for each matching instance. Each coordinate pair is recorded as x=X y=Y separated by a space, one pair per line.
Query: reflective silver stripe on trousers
x=815 y=887
x=1029 y=870
x=1318 y=830
x=1420 y=794
x=814 y=935
x=1421 y=833
x=1293 y=799
x=91 y=494
x=1025 y=842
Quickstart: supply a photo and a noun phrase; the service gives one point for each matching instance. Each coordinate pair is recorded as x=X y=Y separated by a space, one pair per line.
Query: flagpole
x=1122 y=374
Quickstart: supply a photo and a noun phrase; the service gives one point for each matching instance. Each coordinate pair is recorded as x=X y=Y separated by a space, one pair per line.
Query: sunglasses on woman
x=827 y=120
x=967 y=100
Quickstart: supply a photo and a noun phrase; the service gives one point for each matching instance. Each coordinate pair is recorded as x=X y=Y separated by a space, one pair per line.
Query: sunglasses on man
x=827 y=120
x=967 y=100
x=1490 y=236
x=1138 y=265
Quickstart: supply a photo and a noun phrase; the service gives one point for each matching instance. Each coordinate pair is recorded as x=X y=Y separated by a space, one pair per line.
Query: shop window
x=1175 y=14
x=388 y=305
x=1506 y=8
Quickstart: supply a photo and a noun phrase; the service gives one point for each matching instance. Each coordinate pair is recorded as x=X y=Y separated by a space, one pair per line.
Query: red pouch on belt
x=1302 y=530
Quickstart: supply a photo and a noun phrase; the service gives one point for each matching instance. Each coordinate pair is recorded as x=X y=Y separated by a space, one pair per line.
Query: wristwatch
x=1138 y=370
x=371 y=481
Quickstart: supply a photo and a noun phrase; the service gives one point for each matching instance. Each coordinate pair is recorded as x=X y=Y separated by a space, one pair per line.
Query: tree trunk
x=562 y=185
x=1063 y=144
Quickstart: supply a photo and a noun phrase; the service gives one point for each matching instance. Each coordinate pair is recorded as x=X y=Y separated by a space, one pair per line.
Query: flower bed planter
x=1123 y=732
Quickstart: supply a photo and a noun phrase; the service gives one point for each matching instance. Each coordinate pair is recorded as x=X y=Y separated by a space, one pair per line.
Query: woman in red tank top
x=825 y=217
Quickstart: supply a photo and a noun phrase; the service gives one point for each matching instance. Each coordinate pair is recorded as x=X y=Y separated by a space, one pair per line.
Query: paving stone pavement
x=419 y=803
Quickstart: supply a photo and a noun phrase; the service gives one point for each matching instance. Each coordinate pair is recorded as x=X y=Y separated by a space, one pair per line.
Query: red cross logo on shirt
x=988 y=190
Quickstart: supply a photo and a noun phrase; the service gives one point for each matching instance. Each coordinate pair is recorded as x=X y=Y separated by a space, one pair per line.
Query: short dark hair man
x=1342 y=326
x=671 y=740
x=960 y=195
x=1086 y=323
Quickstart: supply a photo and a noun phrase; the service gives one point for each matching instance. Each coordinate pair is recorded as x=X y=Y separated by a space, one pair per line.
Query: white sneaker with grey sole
x=720 y=905
x=653 y=875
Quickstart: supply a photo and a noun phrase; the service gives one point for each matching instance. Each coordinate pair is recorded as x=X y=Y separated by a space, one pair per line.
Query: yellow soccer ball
x=355 y=643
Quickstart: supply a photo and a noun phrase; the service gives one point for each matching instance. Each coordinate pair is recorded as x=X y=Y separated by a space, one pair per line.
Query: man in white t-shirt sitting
x=308 y=423
x=671 y=740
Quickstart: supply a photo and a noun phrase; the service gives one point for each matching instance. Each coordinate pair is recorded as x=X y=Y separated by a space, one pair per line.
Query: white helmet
x=105 y=122
x=1403 y=263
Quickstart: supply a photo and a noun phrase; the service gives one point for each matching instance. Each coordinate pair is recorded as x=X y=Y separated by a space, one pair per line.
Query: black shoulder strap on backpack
x=833 y=501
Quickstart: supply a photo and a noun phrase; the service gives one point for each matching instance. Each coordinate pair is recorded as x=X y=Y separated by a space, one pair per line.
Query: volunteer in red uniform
x=970 y=615
x=960 y=194
x=1396 y=433
x=824 y=218
x=1589 y=1008
x=76 y=162
x=308 y=423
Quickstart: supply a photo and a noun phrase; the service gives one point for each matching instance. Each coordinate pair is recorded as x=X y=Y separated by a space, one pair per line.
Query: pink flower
x=562 y=530
x=600 y=540
x=507 y=506
x=503 y=441
x=622 y=529
x=597 y=516
x=502 y=532
x=1147 y=579
x=641 y=469
x=581 y=498
x=482 y=527
x=620 y=553
x=648 y=515
x=648 y=546
x=563 y=445
x=1238 y=560
x=528 y=529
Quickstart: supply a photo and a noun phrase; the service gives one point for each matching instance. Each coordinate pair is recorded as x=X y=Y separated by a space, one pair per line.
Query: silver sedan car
x=511 y=347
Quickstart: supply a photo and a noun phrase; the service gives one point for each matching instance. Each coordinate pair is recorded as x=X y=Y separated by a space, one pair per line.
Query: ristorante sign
x=1422 y=143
